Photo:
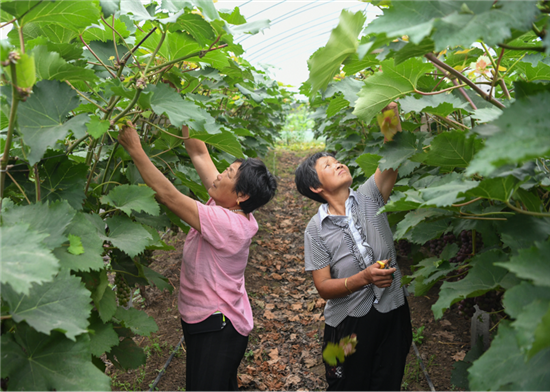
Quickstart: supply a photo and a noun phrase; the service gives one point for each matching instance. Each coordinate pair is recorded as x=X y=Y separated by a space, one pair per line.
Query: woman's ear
x=242 y=197
x=315 y=190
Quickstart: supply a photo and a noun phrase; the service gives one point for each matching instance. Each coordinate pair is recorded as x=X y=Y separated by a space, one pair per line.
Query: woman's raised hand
x=129 y=137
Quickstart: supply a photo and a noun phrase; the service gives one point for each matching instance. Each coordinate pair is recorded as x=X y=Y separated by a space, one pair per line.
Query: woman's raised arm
x=201 y=158
x=166 y=193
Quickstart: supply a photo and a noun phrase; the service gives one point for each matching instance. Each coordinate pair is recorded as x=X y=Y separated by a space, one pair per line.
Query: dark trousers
x=213 y=358
x=383 y=342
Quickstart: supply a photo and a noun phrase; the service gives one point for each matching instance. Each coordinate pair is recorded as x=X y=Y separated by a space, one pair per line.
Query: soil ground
x=284 y=349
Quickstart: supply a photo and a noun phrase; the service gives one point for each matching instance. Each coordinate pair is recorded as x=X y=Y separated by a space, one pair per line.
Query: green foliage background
x=473 y=155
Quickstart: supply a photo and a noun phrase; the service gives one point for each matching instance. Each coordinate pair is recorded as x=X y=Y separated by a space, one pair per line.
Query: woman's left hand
x=129 y=138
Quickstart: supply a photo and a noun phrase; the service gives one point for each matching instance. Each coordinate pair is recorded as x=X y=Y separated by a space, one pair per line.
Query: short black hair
x=254 y=180
x=306 y=176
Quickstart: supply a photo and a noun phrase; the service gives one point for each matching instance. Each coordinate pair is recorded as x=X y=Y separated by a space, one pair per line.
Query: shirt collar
x=323 y=209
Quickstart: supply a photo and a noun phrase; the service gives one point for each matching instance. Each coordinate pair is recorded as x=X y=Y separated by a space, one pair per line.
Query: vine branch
x=532 y=213
x=95 y=55
x=457 y=74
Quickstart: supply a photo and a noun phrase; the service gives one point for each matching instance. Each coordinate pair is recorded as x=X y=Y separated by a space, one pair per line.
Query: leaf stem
x=37 y=183
x=76 y=143
x=107 y=182
x=7 y=23
x=6 y=317
x=472 y=85
x=131 y=53
x=439 y=91
x=166 y=132
x=478 y=218
x=162 y=38
x=18 y=186
x=466 y=203
x=129 y=107
x=95 y=55
x=103 y=180
x=200 y=53
x=125 y=272
x=11 y=126
x=532 y=213
x=86 y=98
x=453 y=123
x=540 y=49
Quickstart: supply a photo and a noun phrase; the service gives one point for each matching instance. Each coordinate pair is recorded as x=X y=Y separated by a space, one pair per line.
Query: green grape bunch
x=123 y=291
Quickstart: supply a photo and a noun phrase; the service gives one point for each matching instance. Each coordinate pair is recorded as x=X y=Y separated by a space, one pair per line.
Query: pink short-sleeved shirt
x=212 y=271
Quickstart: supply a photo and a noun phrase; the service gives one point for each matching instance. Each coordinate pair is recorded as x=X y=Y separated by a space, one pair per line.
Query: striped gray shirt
x=328 y=241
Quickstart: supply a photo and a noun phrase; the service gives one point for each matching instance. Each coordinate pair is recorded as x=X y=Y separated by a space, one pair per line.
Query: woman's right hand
x=380 y=277
x=129 y=138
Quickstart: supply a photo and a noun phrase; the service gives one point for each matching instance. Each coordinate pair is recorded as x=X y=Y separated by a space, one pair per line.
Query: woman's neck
x=337 y=203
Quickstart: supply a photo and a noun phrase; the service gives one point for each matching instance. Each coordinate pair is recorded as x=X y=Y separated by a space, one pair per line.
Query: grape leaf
x=180 y=111
x=105 y=33
x=444 y=192
x=336 y=105
x=542 y=336
x=453 y=149
x=53 y=67
x=414 y=50
x=40 y=362
x=97 y=127
x=503 y=366
x=399 y=202
x=428 y=230
x=126 y=235
x=440 y=104
x=128 y=355
x=42 y=116
x=72 y=15
x=175 y=45
x=521 y=231
x=25 y=259
x=532 y=263
x=157 y=279
x=393 y=82
x=519 y=134
x=224 y=141
x=253 y=27
x=527 y=304
x=138 y=321
x=49 y=219
x=403 y=146
x=62 y=305
x=490 y=24
x=75 y=246
x=485 y=275
x=106 y=306
x=368 y=163
x=64 y=180
x=195 y=25
x=499 y=188
x=415 y=217
x=333 y=353
x=411 y=18
x=102 y=336
x=135 y=10
x=326 y=62
x=130 y=198
x=92 y=244
x=488 y=114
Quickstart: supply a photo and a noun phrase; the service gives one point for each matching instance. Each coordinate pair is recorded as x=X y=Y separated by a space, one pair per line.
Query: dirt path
x=284 y=350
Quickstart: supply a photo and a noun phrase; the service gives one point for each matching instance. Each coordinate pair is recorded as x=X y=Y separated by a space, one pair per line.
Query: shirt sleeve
x=221 y=228
x=370 y=189
x=316 y=255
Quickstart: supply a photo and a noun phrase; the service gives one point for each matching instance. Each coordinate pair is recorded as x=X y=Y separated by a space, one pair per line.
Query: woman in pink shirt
x=215 y=311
